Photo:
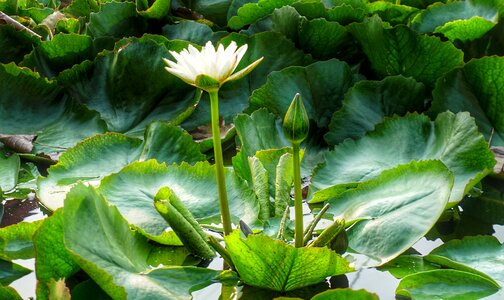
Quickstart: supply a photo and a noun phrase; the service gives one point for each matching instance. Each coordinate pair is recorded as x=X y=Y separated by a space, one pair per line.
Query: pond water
x=380 y=282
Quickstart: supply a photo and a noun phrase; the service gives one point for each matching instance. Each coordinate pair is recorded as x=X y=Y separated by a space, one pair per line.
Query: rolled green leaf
x=329 y=234
x=183 y=223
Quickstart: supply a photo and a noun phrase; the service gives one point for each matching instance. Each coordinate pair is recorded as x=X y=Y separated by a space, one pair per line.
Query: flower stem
x=219 y=164
x=298 y=199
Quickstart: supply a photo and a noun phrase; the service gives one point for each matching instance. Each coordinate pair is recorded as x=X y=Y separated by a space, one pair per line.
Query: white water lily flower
x=209 y=69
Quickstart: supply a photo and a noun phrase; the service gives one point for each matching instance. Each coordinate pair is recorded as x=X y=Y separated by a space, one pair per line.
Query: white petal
x=243 y=72
x=181 y=75
x=239 y=55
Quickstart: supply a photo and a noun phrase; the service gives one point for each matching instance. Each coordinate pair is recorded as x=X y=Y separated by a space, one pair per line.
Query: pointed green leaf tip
x=296 y=123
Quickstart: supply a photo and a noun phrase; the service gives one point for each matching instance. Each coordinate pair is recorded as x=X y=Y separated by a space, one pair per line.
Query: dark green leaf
x=129 y=86
x=156 y=9
x=9 y=169
x=463 y=20
x=15 y=44
x=400 y=50
x=475 y=88
x=408 y=264
x=489 y=206
x=10 y=272
x=193 y=32
x=321 y=85
x=116 y=19
x=49 y=58
x=368 y=102
x=251 y=12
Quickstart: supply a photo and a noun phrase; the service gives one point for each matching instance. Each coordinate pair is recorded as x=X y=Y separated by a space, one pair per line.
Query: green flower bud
x=296 y=123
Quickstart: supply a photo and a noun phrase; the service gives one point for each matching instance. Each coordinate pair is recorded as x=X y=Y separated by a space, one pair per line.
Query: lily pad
x=475 y=88
x=346 y=294
x=52 y=258
x=116 y=19
x=321 y=86
x=482 y=255
x=16 y=240
x=394 y=210
x=307 y=33
x=9 y=169
x=106 y=85
x=402 y=51
x=133 y=189
x=120 y=267
x=56 y=119
x=49 y=58
x=15 y=44
x=156 y=9
x=451 y=138
x=264 y=262
x=368 y=102
x=446 y=284
x=463 y=20
x=193 y=32
x=251 y=12
x=10 y=272
x=102 y=155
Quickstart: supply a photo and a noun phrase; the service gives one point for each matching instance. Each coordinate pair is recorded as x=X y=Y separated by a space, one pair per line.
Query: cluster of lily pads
x=404 y=101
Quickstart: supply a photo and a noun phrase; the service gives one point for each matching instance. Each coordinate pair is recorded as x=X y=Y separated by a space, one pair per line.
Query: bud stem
x=219 y=163
x=298 y=199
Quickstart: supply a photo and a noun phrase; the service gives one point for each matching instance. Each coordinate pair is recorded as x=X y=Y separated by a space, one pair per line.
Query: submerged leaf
x=264 y=262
